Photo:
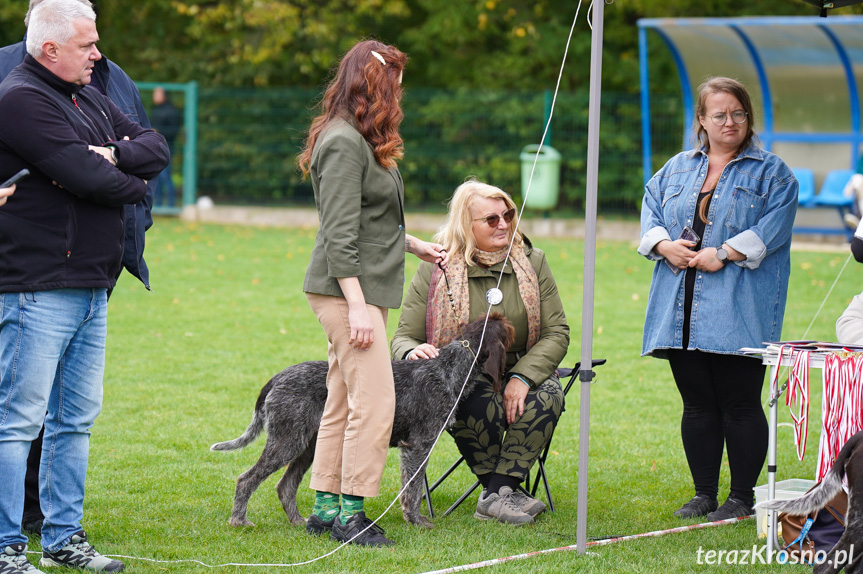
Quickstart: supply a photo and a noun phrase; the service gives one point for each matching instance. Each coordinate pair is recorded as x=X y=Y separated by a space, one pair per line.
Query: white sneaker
x=528 y=504
x=77 y=553
x=500 y=506
x=13 y=560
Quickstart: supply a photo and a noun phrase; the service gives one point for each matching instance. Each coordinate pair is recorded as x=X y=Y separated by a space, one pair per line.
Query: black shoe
x=698 y=506
x=316 y=526
x=33 y=527
x=732 y=508
x=350 y=532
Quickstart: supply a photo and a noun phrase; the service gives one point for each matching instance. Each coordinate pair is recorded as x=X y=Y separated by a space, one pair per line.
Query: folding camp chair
x=540 y=464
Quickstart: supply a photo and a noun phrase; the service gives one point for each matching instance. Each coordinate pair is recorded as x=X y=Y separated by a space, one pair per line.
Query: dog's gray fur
x=291 y=404
x=849 y=463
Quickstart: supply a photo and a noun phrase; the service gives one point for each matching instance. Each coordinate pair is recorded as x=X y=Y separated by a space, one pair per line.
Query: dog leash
x=451 y=299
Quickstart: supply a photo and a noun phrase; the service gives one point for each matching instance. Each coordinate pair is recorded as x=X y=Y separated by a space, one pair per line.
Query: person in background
x=719 y=290
x=854 y=188
x=355 y=275
x=167 y=120
x=110 y=80
x=500 y=432
x=61 y=248
x=849 y=325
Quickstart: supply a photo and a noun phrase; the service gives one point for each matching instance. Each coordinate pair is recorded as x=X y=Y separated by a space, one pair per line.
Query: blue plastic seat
x=806 y=182
x=831 y=193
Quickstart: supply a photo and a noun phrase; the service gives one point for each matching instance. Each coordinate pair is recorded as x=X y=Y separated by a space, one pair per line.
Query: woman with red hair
x=355 y=275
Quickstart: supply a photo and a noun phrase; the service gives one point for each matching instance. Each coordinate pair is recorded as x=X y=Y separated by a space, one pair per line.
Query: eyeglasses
x=737 y=117
x=493 y=220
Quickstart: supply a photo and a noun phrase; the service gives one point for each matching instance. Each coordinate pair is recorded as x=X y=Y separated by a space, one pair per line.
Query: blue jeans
x=52 y=358
x=165 y=184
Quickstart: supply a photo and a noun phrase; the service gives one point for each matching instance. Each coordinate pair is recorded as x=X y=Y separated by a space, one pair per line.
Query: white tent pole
x=586 y=370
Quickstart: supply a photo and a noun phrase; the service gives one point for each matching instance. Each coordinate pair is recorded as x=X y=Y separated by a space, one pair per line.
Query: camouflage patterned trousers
x=489 y=445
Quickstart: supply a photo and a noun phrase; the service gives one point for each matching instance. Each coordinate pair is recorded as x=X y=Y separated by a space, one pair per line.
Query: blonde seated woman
x=500 y=432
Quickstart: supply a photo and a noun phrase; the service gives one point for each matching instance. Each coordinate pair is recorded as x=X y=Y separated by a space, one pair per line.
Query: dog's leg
x=272 y=459
x=413 y=457
x=290 y=482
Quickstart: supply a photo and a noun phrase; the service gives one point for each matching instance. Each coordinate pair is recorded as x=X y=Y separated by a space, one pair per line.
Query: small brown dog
x=849 y=463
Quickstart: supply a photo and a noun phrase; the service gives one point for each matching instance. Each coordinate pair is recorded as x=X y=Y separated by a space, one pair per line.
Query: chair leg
x=429 y=489
x=541 y=473
x=461 y=498
x=427 y=495
x=446 y=474
x=541 y=469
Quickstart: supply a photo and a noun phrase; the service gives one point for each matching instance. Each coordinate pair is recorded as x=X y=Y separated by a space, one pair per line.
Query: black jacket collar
x=31 y=65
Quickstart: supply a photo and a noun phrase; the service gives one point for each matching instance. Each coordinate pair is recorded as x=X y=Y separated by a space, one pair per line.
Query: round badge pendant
x=494 y=296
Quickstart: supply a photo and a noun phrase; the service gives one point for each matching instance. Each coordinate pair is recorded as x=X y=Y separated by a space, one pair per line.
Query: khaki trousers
x=351 y=451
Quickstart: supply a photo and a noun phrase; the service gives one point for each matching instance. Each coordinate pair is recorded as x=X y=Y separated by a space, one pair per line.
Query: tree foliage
x=511 y=44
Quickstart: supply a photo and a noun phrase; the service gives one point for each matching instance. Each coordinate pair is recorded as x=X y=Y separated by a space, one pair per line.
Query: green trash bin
x=546 y=178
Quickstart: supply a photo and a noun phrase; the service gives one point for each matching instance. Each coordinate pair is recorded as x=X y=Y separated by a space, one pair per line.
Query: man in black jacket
x=61 y=249
x=109 y=79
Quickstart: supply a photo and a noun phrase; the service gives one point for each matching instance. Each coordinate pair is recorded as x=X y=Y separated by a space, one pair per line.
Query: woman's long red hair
x=369 y=91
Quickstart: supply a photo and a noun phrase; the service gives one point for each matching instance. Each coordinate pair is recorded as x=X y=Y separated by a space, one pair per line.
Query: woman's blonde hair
x=456 y=234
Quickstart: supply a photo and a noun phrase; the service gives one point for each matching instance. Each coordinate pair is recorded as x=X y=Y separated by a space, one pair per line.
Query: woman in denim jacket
x=721 y=292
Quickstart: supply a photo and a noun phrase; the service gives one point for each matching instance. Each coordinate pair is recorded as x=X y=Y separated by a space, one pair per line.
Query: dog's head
x=499 y=336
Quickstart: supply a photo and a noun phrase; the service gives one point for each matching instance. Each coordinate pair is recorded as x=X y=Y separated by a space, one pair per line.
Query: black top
x=857 y=248
x=70 y=234
x=698 y=227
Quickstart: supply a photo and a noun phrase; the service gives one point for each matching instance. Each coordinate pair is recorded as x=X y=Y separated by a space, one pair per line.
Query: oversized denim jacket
x=752 y=211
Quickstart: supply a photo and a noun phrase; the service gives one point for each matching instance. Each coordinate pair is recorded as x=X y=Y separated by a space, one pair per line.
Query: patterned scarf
x=442 y=325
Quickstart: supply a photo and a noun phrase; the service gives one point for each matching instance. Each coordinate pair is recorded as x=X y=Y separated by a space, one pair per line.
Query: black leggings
x=721 y=406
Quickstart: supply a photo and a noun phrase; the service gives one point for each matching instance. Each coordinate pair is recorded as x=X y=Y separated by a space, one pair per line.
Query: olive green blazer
x=362 y=223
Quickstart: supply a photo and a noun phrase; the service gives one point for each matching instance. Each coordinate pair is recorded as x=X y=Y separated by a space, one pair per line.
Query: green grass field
x=186 y=362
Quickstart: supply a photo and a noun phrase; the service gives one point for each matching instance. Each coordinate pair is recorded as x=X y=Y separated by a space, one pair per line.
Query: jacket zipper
x=87 y=118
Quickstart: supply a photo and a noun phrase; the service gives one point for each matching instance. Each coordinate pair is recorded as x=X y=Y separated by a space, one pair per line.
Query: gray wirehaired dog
x=291 y=404
x=848 y=464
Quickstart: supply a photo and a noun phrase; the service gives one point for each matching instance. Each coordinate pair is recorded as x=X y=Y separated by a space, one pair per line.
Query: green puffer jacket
x=538 y=364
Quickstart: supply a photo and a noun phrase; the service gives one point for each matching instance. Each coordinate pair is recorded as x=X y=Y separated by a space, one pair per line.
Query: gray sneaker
x=500 y=506
x=13 y=560
x=528 y=504
x=77 y=553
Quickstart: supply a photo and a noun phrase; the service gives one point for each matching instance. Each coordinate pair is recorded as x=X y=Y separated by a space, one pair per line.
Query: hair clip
x=379 y=57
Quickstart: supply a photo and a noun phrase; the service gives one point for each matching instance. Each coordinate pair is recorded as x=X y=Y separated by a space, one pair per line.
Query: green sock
x=326 y=505
x=350 y=505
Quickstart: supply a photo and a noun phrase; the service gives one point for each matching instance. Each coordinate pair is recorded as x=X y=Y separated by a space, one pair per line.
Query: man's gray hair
x=34 y=3
x=54 y=21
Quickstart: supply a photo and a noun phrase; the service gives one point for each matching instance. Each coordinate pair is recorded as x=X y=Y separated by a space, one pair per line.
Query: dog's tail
x=255 y=427
x=819 y=496
x=813 y=500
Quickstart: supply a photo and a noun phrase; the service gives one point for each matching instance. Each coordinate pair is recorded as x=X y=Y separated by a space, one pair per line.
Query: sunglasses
x=493 y=220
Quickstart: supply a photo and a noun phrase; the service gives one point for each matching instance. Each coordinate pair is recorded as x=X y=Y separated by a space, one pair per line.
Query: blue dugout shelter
x=805 y=76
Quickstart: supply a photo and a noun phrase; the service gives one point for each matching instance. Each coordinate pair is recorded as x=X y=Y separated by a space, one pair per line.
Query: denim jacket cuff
x=649 y=241
x=749 y=244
